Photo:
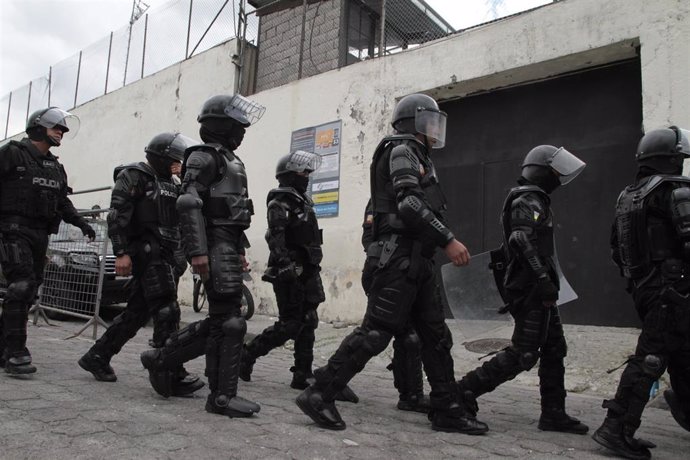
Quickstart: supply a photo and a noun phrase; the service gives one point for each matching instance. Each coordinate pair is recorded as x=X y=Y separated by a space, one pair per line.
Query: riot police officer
x=33 y=200
x=408 y=225
x=531 y=288
x=144 y=229
x=215 y=210
x=294 y=241
x=650 y=243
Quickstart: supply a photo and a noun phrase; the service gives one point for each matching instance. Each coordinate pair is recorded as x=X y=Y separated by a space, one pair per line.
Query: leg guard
x=16 y=314
x=124 y=327
x=504 y=366
x=182 y=346
x=226 y=401
x=302 y=375
x=165 y=321
x=680 y=413
x=407 y=372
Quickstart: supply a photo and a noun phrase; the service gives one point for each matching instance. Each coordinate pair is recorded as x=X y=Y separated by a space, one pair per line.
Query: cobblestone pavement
x=63 y=413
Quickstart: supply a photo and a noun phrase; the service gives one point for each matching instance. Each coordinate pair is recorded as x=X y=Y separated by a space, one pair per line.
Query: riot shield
x=475 y=300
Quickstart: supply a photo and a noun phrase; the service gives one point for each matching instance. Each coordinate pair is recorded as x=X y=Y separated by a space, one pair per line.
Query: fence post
x=50 y=82
x=76 y=89
x=143 y=51
x=301 y=44
x=189 y=28
x=382 y=38
x=7 y=121
x=107 y=68
x=28 y=102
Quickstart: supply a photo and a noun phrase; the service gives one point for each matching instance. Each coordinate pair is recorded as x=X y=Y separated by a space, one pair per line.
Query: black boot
x=98 y=365
x=186 y=383
x=322 y=412
x=616 y=436
x=555 y=419
x=232 y=407
x=680 y=415
x=18 y=363
x=246 y=365
x=455 y=420
x=415 y=403
x=301 y=379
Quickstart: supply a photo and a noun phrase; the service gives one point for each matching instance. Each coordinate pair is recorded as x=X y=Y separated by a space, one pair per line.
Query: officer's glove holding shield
x=547 y=291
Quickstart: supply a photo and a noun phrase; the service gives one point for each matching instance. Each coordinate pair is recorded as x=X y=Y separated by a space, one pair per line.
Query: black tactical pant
x=297 y=302
x=664 y=343
x=538 y=335
x=153 y=295
x=401 y=293
x=22 y=257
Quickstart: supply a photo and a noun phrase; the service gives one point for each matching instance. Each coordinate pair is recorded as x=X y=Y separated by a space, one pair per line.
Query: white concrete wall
x=560 y=37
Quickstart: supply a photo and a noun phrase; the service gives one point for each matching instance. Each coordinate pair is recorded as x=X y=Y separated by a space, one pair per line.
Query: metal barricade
x=79 y=275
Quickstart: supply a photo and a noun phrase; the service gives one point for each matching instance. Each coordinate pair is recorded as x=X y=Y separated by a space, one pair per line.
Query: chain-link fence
x=168 y=34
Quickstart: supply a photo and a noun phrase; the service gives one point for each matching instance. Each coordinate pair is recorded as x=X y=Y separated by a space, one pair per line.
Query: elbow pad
x=680 y=206
x=417 y=215
x=116 y=235
x=192 y=225
x=519 y=240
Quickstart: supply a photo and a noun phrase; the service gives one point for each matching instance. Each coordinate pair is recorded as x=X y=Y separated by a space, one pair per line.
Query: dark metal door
x=596 y=114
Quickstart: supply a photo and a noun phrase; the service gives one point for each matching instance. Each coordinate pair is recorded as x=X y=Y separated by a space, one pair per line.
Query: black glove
x=547 y=290
x=288 y=272
x=89 y=232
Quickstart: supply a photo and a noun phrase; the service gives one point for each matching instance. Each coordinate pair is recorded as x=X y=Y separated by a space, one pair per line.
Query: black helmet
x=51 y=117
x=298 y=161
x=663 y=150
x=169 y=145
x=548 y=167
x=237 y=108
x=419 y=113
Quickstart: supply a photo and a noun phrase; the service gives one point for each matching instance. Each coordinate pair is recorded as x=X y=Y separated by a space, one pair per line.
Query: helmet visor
x=431 y=123
x=242 y=107
x=301 y=161
x=684 y=142
x=57 y=117
x=567 y=165
x=178 y=146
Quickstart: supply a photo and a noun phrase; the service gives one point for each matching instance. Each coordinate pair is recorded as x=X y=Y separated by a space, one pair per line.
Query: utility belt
x=383 y=249
x=22 y=221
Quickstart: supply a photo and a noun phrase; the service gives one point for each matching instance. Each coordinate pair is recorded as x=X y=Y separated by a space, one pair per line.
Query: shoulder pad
x=656 y=181
x=210 y=148
x=140 y=166
x=395 y=138
x=285 y=191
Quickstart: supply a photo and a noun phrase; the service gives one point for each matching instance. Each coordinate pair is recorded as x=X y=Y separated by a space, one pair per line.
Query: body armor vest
x=644 y=238
x=383 y=198
x=155 y=212
x=227 y=202
x=33 y=189
x=545 y=236
x=302 y=233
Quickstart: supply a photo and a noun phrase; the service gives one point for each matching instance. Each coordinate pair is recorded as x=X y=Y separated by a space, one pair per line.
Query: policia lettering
x=408 y=225
x=144 y=229
x=33 y=201
x=294 y=241
x=531 y=290
x=650 y=243
x=214 y=210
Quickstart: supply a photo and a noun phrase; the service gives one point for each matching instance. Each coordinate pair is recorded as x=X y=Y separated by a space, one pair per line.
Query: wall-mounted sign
x=324 y=184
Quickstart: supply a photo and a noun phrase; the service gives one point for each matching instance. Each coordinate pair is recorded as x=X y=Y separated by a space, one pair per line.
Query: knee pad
x=169 y=313
x=376 y=341
x=234 y=326
x=158 y=281
x=559 y=350
x=311 y=319
x=528 y=359
x=654 y=365
x=23 y=290
x=411 y=342
x=291 y=328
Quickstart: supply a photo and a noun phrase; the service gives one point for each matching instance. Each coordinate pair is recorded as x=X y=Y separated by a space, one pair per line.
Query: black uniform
x=406 y=364
x=294 y=240
x=408 y=225
x=33 y=200
x=214 y=210
x=143 y=224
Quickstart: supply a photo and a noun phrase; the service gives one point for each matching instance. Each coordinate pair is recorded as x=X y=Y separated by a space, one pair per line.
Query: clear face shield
x=54 y=117
x=251 y=110
x=179 y=144
x=432 y=124
x=301 y=161
x=684 y=142
x=567 y=165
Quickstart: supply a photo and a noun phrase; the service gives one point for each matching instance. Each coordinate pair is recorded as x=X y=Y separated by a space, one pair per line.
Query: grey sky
x=35 y=34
